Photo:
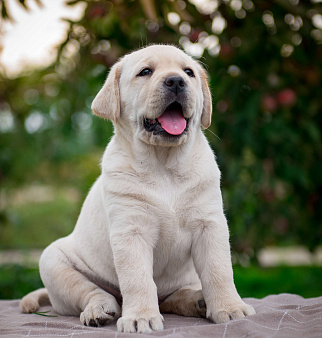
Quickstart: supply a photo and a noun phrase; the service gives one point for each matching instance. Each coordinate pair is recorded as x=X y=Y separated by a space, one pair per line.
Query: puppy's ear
x=107 y=102
x=207 y=102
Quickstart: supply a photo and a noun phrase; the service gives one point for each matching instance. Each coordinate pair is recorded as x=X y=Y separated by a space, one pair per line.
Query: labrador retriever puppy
x=152 y=235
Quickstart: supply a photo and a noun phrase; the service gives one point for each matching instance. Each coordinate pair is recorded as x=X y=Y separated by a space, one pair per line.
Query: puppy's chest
x=173 y=214
x=176 y=218
x=174 y=204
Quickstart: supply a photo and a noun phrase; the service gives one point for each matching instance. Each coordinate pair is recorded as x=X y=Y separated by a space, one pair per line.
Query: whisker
x=213 y=134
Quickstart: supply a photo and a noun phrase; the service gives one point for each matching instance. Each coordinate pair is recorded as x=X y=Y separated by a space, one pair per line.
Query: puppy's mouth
x=171 y=122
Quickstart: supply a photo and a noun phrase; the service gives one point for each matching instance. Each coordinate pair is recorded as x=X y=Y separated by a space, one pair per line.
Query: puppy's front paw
x=98 y=315
x=229 y=312
x=140 y=324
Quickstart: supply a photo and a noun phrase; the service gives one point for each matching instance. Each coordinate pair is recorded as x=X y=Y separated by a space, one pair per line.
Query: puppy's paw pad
x=140 y=325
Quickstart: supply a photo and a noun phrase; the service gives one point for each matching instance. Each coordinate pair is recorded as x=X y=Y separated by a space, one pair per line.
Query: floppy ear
x=107 y=102
x=207 y=102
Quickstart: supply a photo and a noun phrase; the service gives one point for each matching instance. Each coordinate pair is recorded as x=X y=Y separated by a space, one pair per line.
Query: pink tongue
x=173 y=122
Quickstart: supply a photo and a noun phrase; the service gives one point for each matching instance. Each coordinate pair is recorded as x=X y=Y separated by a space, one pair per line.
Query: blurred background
x=264 y=60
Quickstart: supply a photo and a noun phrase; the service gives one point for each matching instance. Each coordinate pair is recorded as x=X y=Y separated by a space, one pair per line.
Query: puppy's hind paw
x=33 y=300
x=28 y=305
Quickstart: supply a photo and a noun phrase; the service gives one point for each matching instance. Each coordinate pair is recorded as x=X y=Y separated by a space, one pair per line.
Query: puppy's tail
x=33 y=300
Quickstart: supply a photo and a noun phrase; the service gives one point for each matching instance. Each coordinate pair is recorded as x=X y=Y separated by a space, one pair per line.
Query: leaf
x=39 y=3
x=44 y=314
x=24 y=5
x=73 y=2
x=149 y=9
x=4 y=12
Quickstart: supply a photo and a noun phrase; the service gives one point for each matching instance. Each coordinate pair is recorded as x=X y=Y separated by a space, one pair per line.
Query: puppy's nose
x=175 y=83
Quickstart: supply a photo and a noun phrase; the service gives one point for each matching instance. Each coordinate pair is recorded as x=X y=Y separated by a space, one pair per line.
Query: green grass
x=37 y=224
x=260 y=282
x=16 y=281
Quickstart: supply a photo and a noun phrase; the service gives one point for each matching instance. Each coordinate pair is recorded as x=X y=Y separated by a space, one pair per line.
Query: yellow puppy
x=152 y=228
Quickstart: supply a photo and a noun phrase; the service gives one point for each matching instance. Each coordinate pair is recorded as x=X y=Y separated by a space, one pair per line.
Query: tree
x=263 y=60
x=5 y=12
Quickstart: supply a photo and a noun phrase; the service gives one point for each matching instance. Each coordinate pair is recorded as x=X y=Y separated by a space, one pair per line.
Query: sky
x=31 y=39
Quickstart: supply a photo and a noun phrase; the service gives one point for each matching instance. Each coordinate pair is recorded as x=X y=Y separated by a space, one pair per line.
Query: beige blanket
x=281 y=315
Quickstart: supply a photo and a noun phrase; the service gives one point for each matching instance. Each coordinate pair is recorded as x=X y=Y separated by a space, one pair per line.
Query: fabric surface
x=283 y=315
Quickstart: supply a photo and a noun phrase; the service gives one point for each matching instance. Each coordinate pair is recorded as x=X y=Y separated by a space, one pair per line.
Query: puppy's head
x=157 y=94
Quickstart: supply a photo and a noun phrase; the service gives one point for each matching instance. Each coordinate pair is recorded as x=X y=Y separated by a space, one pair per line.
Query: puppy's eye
x=145 y=72
x=189 y=72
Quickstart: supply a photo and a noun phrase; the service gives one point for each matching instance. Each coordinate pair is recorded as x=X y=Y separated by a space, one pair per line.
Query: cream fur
x=153 y=223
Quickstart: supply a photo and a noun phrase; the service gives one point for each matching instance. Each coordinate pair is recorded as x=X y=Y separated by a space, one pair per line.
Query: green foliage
x=250 y=282
x=265 y=73
x=38 y=214
x=261 y=282
x=24 y=280
x=5 y=13
x=46 y=222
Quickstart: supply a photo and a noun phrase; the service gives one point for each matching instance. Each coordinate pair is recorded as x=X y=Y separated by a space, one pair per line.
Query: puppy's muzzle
x=172 y=121
x=175 y=84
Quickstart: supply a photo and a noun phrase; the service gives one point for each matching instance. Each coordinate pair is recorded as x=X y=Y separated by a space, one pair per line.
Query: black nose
x=175 y=83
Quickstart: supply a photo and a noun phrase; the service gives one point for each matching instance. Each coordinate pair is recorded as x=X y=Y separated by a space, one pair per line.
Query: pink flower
x=286 y=97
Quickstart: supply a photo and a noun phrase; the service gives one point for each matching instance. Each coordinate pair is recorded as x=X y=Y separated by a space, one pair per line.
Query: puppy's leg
x=132 y=246
x=187 y=301
x=211 y=255
x=71 y=293
x=101 y=308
